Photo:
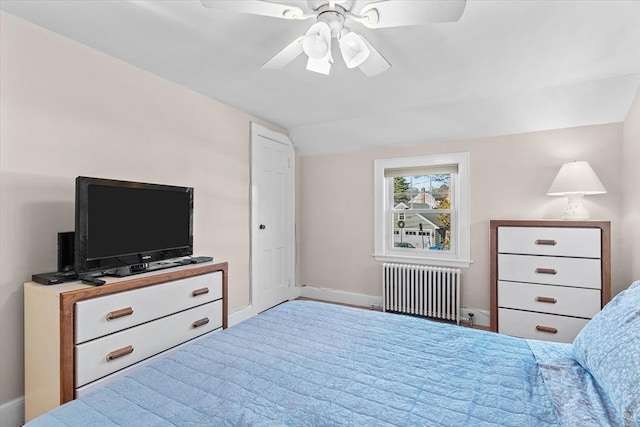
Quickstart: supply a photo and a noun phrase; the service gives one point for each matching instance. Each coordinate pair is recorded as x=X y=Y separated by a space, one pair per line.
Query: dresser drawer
x=98 y=358
x=578 y=272
x=574 y=242
x=579 y=302
x=533 y=325
x=108 y=314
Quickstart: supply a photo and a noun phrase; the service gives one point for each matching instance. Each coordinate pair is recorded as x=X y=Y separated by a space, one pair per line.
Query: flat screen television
x=120 y=224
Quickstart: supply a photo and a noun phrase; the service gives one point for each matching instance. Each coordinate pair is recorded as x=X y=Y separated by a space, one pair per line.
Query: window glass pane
x=423 y=192
x=424 y=231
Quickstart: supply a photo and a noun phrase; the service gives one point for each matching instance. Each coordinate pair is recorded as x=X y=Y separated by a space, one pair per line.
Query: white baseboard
x=12 y=413
x=480 y=318
x=340 y=296
x=240 y=315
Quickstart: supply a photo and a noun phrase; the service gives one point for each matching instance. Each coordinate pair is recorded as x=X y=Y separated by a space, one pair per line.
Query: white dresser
x=78 y=336
x=548 y=278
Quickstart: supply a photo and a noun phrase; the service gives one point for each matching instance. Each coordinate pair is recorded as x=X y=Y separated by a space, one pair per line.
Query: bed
x=307 y=363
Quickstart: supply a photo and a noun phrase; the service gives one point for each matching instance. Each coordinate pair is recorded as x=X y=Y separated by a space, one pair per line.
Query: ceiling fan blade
x=400 y=13
x=257 y=7
x=286 y=55
x=375 y=63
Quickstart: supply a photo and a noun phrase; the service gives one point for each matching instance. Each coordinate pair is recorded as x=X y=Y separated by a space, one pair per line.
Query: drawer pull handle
x=120 y=313
x=546 y=271
x=546 y=329
x=119 y=353
x=546 y=242
x=201 y=291
x=200 y=322
x=547 y=299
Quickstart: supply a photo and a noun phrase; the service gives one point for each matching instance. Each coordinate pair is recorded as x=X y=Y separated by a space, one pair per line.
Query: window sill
x=441 y=262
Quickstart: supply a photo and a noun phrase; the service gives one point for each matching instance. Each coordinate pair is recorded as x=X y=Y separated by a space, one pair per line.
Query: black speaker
x=65 y=251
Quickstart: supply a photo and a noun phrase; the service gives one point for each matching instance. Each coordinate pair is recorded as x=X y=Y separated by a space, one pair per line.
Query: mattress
x=304 y=363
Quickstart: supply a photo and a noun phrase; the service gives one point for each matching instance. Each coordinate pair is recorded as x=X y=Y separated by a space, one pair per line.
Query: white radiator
x=422 y=290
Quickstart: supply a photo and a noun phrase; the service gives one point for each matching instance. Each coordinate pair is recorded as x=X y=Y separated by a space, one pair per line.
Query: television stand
x=153 y=312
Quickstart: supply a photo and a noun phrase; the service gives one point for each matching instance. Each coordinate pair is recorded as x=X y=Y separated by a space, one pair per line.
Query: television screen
x=121 y=223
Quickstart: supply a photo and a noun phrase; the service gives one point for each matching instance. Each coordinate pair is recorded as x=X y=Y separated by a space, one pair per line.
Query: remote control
x=200 y=259
x=92 y=281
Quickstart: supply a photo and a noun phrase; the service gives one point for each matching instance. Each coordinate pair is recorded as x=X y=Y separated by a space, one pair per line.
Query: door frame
x=263 y=132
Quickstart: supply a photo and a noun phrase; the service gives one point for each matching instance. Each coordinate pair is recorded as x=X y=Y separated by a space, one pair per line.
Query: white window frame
x=460 y=253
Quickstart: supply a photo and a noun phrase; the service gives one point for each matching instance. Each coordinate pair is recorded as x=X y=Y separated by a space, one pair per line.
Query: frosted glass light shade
x=317 y=41
x=354 y=50
x=575 y=180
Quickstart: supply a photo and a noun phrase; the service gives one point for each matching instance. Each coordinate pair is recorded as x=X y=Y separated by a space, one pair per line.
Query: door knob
x=262 y=226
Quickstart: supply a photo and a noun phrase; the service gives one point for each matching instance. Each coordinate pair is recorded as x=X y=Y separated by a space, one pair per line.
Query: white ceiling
x=507 y=66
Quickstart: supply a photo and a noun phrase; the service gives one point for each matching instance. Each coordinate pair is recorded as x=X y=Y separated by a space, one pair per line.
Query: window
x=422 y=209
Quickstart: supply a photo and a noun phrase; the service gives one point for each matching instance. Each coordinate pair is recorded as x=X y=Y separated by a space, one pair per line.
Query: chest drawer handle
x=546 y=271
x=547 y=299
x=546 y=242
x=201 y=291
x=120 y=313
x=547 y=329
x=119 y=353
x=200 y=322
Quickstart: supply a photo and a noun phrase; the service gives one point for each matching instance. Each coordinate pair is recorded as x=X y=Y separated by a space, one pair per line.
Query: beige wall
x=67 y=110
x=631 y=191
x=510 y=176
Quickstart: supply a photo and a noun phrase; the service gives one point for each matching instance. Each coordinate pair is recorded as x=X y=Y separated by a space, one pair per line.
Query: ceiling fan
x=332 y=21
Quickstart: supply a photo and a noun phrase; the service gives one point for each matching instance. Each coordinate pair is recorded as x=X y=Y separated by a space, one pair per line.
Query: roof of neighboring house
x=424 y=198
x=412 y=220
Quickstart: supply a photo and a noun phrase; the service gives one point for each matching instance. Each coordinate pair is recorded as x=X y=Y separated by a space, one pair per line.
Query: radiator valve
x=471 y=319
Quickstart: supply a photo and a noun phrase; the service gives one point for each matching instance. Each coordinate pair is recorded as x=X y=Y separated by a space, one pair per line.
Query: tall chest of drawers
x=79 y=336
x=548 y=277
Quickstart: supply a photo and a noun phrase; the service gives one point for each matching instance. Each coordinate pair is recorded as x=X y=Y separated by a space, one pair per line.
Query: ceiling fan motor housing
x=335 y=21
x=317 y=4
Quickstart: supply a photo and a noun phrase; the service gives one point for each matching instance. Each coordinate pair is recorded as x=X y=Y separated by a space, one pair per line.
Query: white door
x=272 y=218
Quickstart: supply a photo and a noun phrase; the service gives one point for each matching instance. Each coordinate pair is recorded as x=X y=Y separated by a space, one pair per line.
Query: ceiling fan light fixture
x=354 y=50
x=321 y=65
x=317 y=41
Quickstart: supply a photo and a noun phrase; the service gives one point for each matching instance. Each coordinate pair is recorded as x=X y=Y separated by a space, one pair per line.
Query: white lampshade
x=574 y=180
x=576 y=177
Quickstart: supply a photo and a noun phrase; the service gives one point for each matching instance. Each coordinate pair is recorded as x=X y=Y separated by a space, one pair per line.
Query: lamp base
x=575 y=211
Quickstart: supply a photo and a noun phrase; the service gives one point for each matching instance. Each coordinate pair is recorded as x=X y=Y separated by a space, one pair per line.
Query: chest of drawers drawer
x=103 y=356
x=578 y=302
x=108 y=314
x=552 y=241
x=540 y=326
x=579 y=272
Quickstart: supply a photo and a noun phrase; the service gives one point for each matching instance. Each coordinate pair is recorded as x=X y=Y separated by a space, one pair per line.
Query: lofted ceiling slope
x=506 y=67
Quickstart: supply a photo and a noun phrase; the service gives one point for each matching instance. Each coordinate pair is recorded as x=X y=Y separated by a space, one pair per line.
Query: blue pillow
x=609 y=348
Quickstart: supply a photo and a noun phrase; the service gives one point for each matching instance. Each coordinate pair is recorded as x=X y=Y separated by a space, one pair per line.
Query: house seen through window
x=421 y=210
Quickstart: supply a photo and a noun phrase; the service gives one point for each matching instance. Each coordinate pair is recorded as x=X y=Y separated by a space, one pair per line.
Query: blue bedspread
x=311 y=364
